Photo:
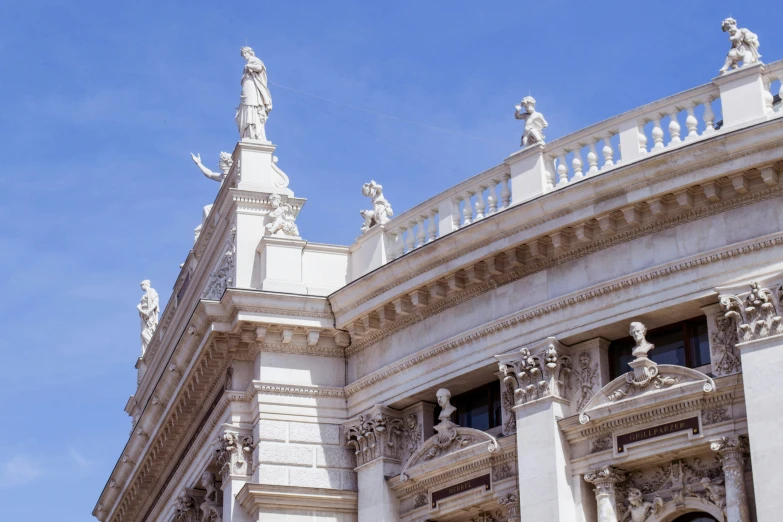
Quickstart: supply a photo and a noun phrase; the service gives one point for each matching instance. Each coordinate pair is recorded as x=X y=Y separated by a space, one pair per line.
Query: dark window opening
x=479 y=408
x=685 y=344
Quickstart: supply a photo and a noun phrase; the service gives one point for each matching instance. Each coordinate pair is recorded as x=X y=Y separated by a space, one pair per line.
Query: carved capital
x=234 y=454
x=732 y=450
x=511 y=503
x=605 y=479
x=756 y=314
x=533 y=377
x=375 y=434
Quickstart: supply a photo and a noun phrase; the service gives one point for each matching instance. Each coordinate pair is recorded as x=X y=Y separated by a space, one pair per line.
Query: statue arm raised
x=204 y=170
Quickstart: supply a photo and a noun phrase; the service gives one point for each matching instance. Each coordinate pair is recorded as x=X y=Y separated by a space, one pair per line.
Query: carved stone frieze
x=233 y=452
x=587 y=379
x=224 y=274
x=412 y=434
x=376 y=434
x=502 y=471
x=723 y=342
x=757 y=314
x=601 y=443
x=714 y=415
x=534 y=377
x=420 y=500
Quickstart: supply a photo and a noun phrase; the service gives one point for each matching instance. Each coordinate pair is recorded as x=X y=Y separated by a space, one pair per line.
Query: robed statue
x=149 y=309
x=255 y=104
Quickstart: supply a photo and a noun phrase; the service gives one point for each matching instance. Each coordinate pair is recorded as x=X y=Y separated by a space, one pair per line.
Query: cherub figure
x=283 y=219
x=224 y=164
x=744 y=46
x=381 y=211
x=638 y=509
x=534 y=121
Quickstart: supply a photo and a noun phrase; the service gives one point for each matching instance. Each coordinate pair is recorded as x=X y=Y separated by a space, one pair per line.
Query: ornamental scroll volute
x=234 y=452
x=755 y=308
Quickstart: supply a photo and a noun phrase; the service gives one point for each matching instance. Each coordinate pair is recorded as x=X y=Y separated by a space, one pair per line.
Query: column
x=605 y=480
x=235 y=458
x=732 y=451
x=377 y=440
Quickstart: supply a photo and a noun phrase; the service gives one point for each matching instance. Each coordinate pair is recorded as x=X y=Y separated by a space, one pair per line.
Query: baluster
x=780 y=92
x=692 y=123
x=708 y=117
x=608 y=152
x=409 y=239
x=549 y=173
x=399 y=243
x=769 y=99
x=421 y=233
x=642 y=139
x=480 y=205
x=592 y=158
x=505 y=192
x=657 y=133
x=576 y=163
x=432 y=227
x=467 y=211
x=674 y=127
x=492 y=200
x=455 y=213
x=562 y=170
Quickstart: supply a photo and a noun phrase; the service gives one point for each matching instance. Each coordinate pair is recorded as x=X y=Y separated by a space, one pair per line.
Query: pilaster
x=234 y=452
x=378 y=441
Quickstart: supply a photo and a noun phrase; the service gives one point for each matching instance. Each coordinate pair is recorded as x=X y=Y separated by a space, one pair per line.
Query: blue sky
x=102 y=102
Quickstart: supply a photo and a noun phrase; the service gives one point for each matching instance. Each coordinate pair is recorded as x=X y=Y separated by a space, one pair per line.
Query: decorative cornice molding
x=564 y=212
x=542 y=264
x=257 y=388
x=512 y=321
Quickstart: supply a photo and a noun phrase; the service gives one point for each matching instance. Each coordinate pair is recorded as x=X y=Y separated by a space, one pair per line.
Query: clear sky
x=102 y=102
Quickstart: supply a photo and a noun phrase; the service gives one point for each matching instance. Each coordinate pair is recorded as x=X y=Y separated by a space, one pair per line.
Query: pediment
x=449 y=440
x=627 y=390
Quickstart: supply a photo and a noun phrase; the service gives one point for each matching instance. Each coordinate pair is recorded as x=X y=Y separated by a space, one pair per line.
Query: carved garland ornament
x=375 y=435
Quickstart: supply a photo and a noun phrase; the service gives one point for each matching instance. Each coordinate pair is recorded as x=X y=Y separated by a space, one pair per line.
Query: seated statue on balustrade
x=534 y=121
x=744 y=46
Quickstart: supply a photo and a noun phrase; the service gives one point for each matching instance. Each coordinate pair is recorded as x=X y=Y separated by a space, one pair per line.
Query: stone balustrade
x=473 y=200
x=649 y=129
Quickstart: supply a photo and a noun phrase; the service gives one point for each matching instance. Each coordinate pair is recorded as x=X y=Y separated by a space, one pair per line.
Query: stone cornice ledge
x=255 y=497
x=263 y=388
x=509 y=321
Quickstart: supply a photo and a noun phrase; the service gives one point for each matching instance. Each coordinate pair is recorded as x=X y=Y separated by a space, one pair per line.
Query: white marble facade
x=288 y=380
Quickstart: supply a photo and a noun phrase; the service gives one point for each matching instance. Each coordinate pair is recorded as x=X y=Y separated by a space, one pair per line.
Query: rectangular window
x=685 y=344
x=478 y=408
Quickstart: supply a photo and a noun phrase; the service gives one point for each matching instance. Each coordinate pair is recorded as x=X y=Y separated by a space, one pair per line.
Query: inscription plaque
x=483 y=481
x=691 y=424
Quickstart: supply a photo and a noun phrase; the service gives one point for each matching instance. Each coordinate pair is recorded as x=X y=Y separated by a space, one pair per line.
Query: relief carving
x=533 y=377
x=725 y=360
x=412 y=434
x=233 y=452
x=224 y=275
x=602 y=443
x=715 y=415
x=757 y=315
x=587 y=379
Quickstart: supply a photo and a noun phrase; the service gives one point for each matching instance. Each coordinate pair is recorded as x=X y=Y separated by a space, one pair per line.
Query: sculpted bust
x=638 y=332
x=447 y=409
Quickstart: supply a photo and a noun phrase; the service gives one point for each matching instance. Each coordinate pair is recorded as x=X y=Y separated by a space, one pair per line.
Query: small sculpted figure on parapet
x=282 y=218
x=534 y=121
x=149 y=308
x=744 y=46
x=255 y=103
x=381 y=211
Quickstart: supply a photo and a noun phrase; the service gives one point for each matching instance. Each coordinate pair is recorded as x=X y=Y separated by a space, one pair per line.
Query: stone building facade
x=470 y=359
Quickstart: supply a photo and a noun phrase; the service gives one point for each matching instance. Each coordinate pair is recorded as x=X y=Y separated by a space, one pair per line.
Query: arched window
x=695 y=517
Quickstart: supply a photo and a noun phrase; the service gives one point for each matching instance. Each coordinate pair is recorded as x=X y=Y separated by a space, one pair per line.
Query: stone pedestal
x=742 y=96
x=257 y=169
x=280 y=265
x=371 y=250
x=529 y=177
x=762 y=360
x=544 y=462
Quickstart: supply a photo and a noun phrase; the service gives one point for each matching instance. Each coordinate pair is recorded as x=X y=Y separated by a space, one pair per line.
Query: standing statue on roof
x=255 y=104
x=534 y=121
x=744 y=46
x=149 y=309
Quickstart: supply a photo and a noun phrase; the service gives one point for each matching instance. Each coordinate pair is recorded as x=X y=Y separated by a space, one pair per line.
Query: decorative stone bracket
x=234 y=454
x=375 y=434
